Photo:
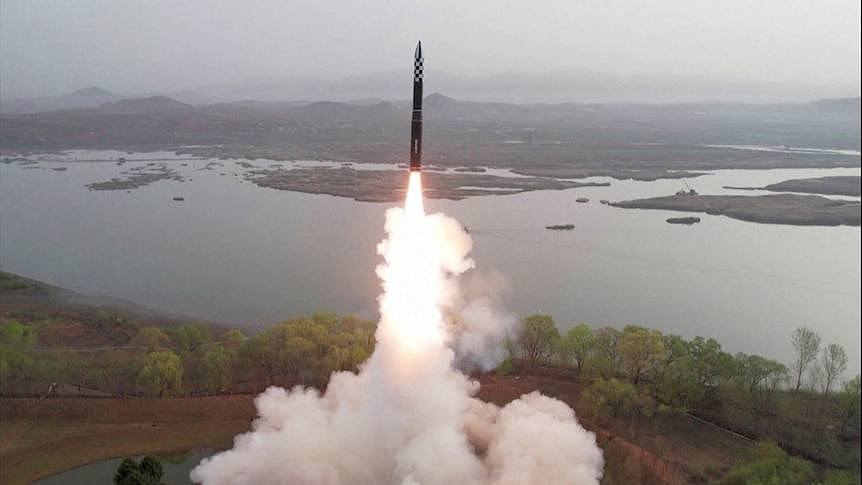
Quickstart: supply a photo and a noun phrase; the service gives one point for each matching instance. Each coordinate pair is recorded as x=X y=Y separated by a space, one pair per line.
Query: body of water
x=235 y=252
x=176 y=469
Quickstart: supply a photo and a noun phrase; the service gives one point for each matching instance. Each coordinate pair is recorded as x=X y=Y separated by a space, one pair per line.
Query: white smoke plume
x=479 y=329
x=409 y=416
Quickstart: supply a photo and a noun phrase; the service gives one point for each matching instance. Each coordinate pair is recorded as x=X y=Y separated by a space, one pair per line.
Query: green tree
x=770 y=464
x=607 y=358
x=115 y=371
x=753 y=372
x=301 y=347
x=152 y=468
x=760 y=377
x=641 y=350
x=190 y=337
x=328 y=321
x=612 y=398
x=233 y=340
x=15 y=340
x=261 y=353
x=834 y=362
x=298 y=357
x=302 y=344
x=152 y=338
x=215 y=368
x=709 y=363
x=130 y=472
x=577 y=344
x=609 y=401
x=674 y=380
x=849 y=403
x=162 y=373
x=537 y=339
x=806 y=342
x=126 y=472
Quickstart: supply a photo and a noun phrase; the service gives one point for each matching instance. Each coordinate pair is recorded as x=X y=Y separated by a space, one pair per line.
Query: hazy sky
x=47 y=47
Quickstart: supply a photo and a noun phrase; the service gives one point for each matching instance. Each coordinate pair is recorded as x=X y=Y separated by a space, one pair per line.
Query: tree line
x=679 y=371
x=632 y=375
x=636 y=376
x=191 y=359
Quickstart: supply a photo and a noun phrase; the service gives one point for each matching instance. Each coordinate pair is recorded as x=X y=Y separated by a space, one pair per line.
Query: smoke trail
x=408 y=416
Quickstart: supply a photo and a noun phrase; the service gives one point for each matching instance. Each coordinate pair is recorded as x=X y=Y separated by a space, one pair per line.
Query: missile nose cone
x=419 y=50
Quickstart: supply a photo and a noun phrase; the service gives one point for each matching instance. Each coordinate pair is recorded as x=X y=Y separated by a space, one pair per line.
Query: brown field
x=41 y=437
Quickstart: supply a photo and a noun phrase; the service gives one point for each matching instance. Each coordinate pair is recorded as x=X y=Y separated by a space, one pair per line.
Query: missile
x=416 y=122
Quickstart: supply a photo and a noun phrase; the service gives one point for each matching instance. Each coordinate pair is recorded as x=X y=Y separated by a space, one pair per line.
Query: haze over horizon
x=595 y=51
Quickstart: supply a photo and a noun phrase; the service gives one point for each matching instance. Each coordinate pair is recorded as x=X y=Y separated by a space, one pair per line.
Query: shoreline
x=832 y=185
x=787 y=209
x=709 y=158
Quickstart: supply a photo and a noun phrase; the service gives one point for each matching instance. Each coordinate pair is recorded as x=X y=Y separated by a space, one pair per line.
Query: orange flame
x=413 y=202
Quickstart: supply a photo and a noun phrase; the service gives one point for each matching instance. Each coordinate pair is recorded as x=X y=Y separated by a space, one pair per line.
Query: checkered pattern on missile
x=417 y=69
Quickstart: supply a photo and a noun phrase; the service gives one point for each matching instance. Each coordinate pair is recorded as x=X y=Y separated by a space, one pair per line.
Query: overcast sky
x=48 y=47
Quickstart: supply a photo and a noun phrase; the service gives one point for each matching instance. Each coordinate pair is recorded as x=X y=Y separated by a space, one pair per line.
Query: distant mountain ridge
x=144 y=105
x=83 y=98
x=578 y=86
x=457 y=130
x=437 y=106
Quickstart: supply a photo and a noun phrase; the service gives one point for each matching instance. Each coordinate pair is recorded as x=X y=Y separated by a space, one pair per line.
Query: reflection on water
x=176 y=467
x=235 y=252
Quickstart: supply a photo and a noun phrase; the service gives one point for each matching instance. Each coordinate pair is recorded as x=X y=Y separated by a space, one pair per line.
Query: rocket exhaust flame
x=411 y=289
x=409 y=416
x=413 y=201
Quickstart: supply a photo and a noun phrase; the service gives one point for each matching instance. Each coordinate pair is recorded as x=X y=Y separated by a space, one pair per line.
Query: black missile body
x=416 y=122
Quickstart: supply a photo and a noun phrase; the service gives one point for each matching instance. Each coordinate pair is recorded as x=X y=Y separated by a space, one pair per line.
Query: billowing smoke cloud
x=409 y=416
x=478 y=327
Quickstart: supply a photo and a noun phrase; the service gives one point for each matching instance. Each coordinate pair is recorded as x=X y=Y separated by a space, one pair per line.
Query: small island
x=389 y=185
x=561 y=227
x=794 y=209
x=138 y=177
x=683 y=220
x=848 y=185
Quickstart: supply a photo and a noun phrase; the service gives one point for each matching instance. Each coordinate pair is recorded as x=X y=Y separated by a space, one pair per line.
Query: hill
x=144 y=105
x=644 y=141
x=82 y=98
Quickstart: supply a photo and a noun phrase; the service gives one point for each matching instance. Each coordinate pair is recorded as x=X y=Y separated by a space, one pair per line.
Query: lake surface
x=176 y=469
x=235 y=252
